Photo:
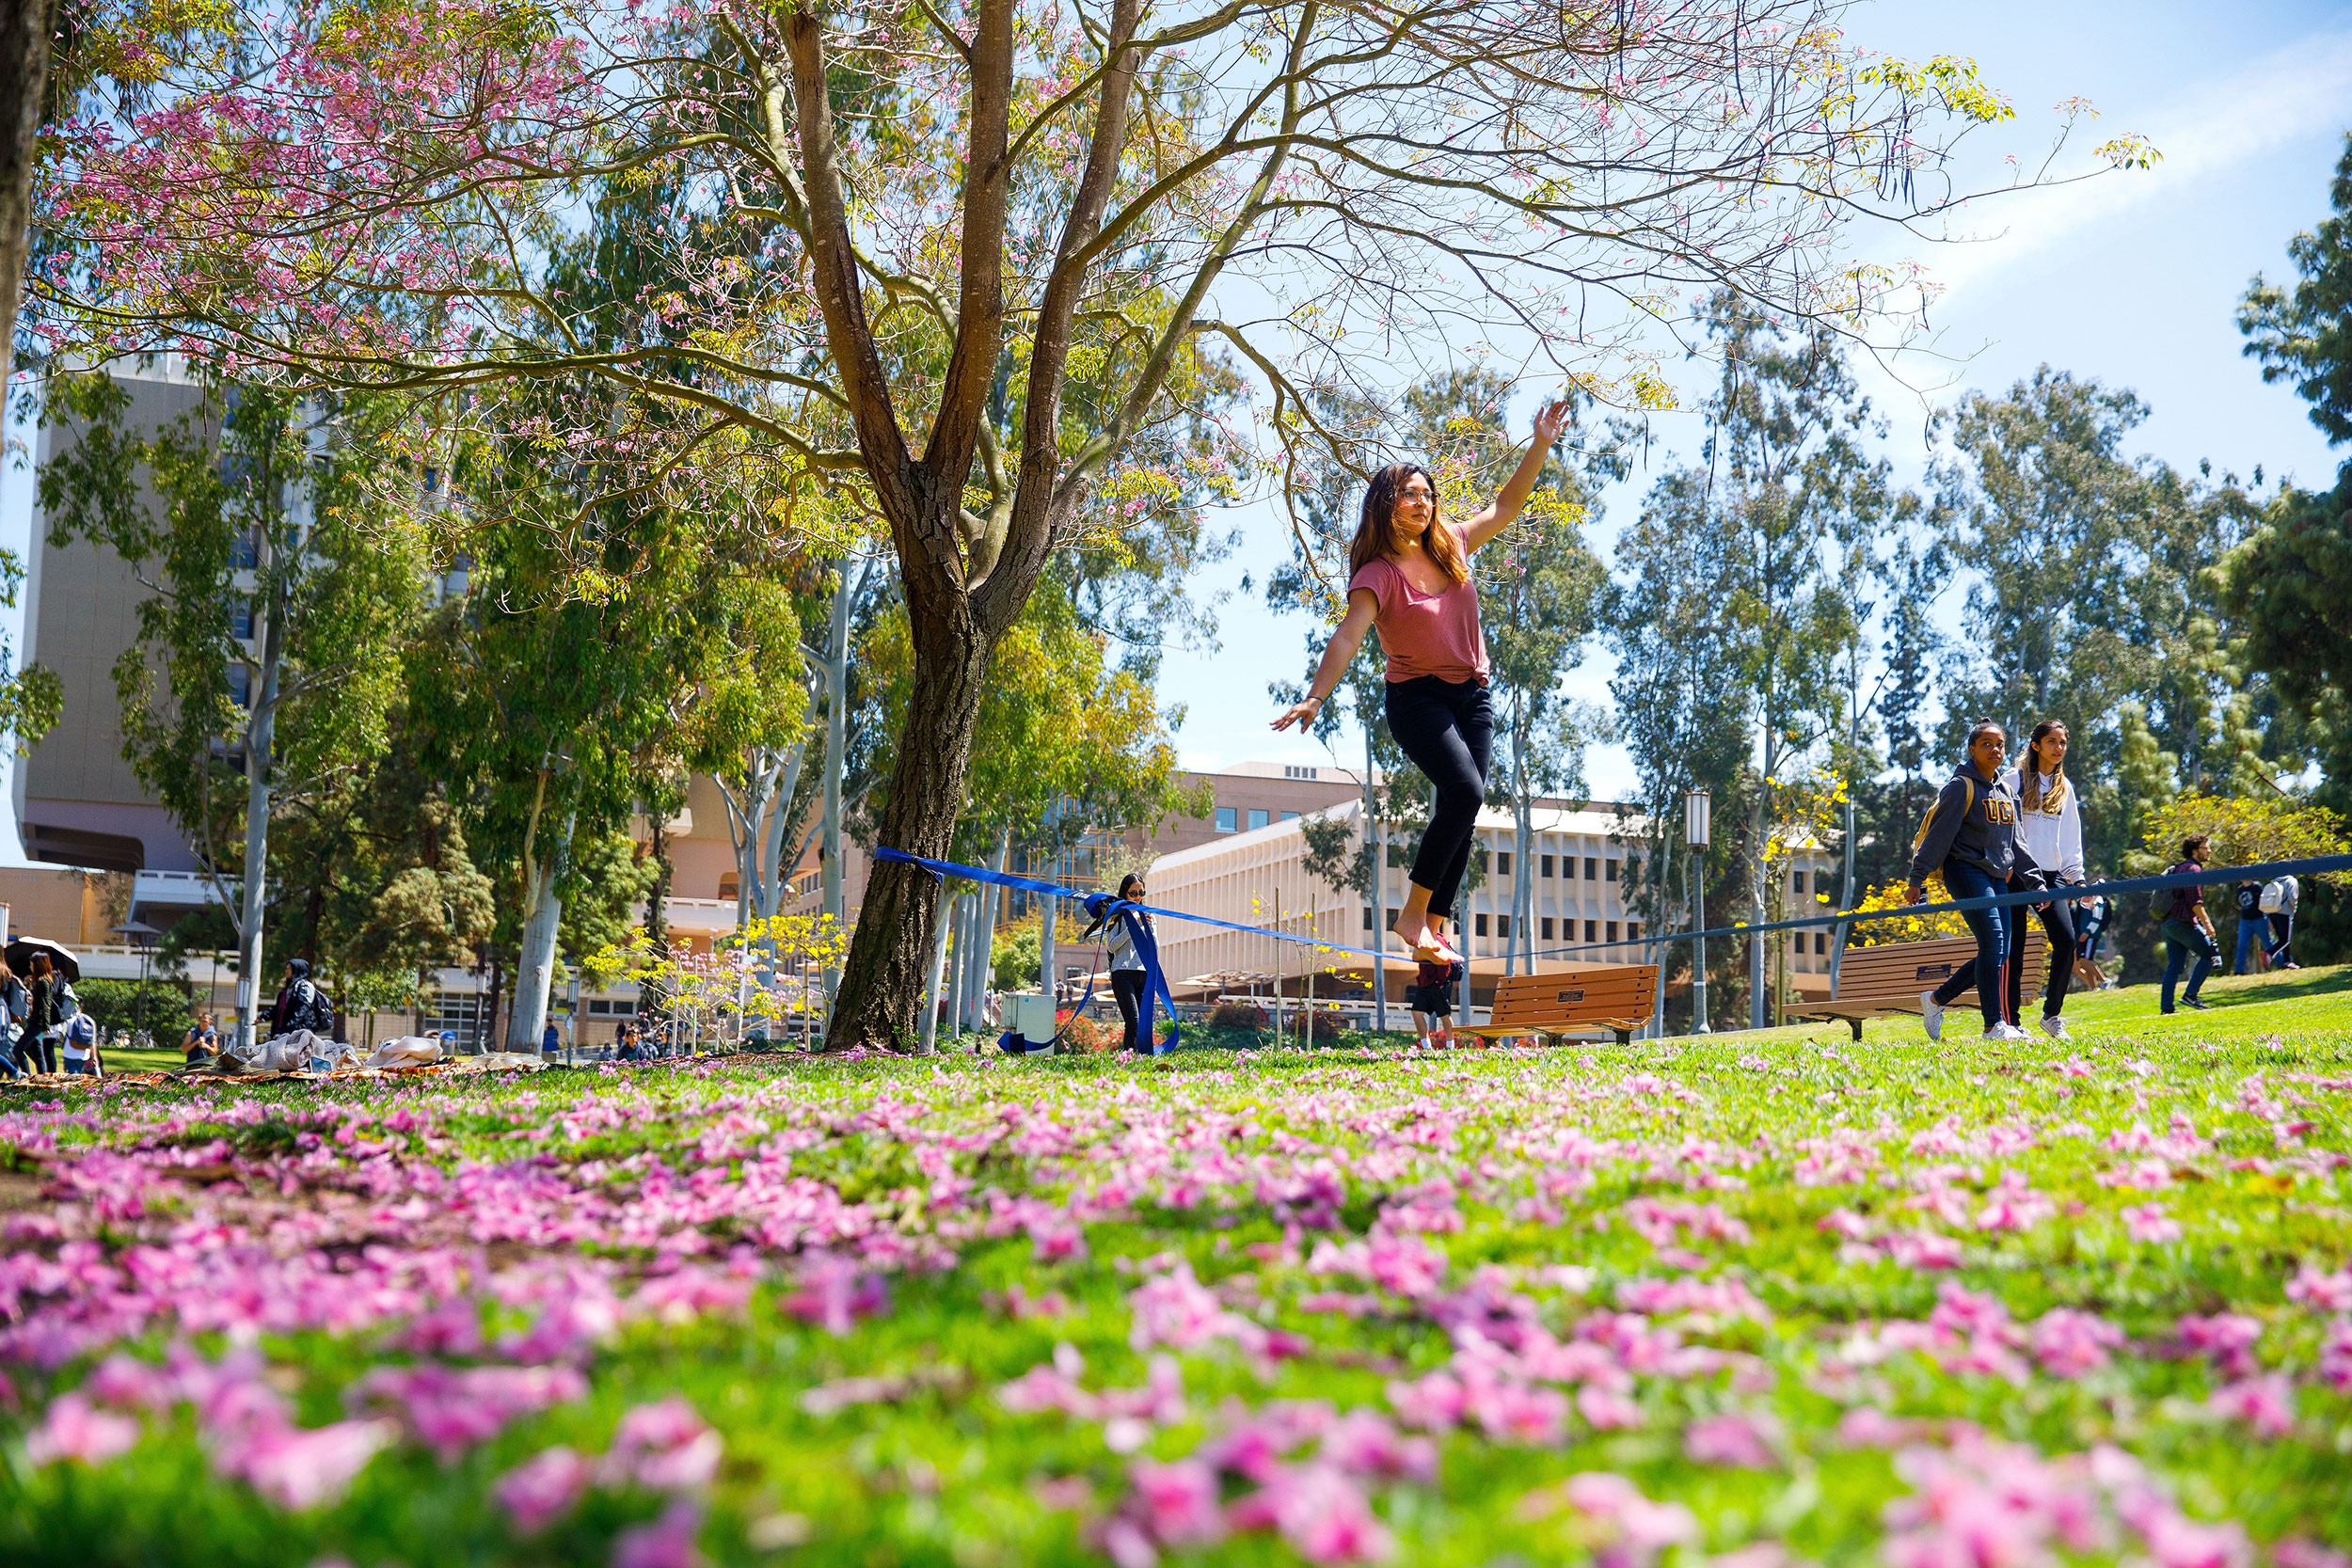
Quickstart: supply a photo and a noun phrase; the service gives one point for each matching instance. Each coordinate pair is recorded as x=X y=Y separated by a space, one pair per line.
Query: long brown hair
x=1375 y=535
x=2029 y=773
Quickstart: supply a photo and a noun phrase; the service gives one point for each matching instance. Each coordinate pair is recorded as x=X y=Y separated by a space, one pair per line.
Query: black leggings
x=1128 y=991
x=2058 y=923
x=1448 y=729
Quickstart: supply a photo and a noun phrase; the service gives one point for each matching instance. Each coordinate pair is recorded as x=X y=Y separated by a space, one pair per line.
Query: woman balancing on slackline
x=1410 y=578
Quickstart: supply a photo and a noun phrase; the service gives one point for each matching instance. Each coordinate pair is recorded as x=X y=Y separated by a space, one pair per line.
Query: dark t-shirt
x=2186 y=901
x=2249 y=901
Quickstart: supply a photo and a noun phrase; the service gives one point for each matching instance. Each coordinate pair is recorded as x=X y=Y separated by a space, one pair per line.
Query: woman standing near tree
x=1128 y=975
x=1410 y=578
x=2050 y=822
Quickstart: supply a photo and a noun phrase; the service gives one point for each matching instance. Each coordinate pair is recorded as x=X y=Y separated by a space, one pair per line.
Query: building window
x=1592 y=869
x=1612 y=931
x=1367 y=917
x=1289 y=771
x=1502 y=925
x=1503 y=862
x=1481 y=926
x=1633 y=868
x=1592 y=930
x=1613 y=871
x=240 y=616
x=1821 y=943
x=1258 y=818
x=1223 y=819
x=1548 y=860
x=245 y=548
x=1796 y=881
x=1546 y=928
x=1290 y=817
x=1798 y=944
x=1633 y=930
x=241 y=684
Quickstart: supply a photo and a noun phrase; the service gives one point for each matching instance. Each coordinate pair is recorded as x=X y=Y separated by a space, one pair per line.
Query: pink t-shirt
x=1425 y=634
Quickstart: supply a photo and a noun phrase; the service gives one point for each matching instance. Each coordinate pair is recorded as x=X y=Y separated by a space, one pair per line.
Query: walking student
x=2253 y=931
x=2050 y=824
x=2091 y=932
x=1127 y=971
x=43 y=1014
x=1970 y=839
x=1410 y=578
x=2188 y=930
x=2277 y=908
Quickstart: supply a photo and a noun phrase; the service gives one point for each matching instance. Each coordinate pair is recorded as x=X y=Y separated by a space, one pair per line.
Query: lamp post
x=1695 y=807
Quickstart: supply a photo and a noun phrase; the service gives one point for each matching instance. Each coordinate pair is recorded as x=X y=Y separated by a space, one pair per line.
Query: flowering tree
x=963 y=259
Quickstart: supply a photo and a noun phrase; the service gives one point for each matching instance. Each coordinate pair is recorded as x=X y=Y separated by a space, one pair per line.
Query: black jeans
x=2281 y=945
x=1448 y=729
x=2058 y=923
x=1128 y=991
x=39 y=1053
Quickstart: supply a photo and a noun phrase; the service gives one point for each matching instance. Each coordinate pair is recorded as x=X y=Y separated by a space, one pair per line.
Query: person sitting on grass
x=1970 y=839
x=2188 y=930
x=202 y=1042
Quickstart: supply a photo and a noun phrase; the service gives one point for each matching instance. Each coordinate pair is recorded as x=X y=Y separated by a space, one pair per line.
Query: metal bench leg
x=1625 y=1036
x=1855 y=1025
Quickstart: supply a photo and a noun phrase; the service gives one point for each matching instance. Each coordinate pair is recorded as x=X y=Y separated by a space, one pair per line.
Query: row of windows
x=1595 y=868
x=1228 y=818
x=1821 y=943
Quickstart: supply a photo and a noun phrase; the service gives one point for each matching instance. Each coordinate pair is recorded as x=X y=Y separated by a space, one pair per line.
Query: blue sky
x=2132 y=279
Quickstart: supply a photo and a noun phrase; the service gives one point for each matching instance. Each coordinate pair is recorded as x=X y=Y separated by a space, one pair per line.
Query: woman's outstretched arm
x=1361 y=604
x=1505 y=509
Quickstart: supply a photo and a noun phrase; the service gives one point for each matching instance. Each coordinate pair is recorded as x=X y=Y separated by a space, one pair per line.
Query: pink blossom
x=2227 y=1338
x=1322 y=1514
x=1176 y=1504
x=2265 y=1403
x=2069 y=1343
x=835 y=1292
x=1632 y=1529
x=1364 y=1443
x=667 y=1541
x=2322 y=1292
x=1607 y=1409
x=542 y=1487
x=298 y=1467
x=2148 y=1221
x=1740 y=1439
x=664 y=1445
x=71 y=1429
x=2176 y=1541
x=2297 y=1551
x=1924 y=1249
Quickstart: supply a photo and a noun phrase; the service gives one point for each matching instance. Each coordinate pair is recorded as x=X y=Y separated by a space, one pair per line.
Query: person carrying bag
x=1970 y=839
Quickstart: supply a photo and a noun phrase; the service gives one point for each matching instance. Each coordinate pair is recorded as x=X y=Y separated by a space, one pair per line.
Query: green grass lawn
x=1753 y=1300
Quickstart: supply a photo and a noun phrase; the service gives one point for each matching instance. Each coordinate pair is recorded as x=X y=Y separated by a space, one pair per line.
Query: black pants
x=1448 y=729
x=39 y=1053
x=2281 y=945
x=2058 y=923
x=1128 y=991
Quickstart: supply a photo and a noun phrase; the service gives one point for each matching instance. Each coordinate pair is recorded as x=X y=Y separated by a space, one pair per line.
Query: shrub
x=1236 y=1013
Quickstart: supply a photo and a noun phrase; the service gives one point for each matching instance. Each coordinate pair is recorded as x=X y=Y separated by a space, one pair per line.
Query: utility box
x=1030 y=1015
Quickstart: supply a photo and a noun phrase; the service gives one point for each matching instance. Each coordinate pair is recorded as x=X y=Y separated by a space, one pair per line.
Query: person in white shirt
x=2050 y=824
x=2278 y=905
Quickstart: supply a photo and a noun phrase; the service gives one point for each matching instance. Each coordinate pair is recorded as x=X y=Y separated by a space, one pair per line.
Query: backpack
x=1967 y=806
x=2274 y=896
x=81 y=1031
x=311 y=1010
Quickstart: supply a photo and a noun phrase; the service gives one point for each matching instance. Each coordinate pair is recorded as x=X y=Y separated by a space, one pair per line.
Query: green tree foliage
x=2303 y=333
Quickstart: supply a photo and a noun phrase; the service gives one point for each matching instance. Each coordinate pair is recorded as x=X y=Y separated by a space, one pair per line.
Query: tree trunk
x=657 y=907
x=845 y=596
x=26 y=28
x=932 y=997
x=883 y=979
x=534 y=967
x=486 y=1026
x=1376 y=841
x=1758 y=860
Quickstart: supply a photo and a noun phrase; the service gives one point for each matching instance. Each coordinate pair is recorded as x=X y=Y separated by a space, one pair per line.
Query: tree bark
x=26 y=28
x=883 y=978
x=534 y=967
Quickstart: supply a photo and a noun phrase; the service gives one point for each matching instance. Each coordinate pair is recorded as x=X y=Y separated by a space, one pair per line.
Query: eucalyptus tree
x=283 y=571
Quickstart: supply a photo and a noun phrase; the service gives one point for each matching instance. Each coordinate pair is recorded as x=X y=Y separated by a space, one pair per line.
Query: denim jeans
x=2252 y=932
x=1991 y=929
x=2183 y=938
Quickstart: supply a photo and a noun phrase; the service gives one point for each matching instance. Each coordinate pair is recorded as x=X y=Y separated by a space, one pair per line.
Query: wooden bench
x=1616 y=997
x=1887 y=979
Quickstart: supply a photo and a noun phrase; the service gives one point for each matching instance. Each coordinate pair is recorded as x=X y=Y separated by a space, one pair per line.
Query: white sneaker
x=2000 y=1034
x=2054 y=1027
x=2010 y=1032
x=1932 y=1014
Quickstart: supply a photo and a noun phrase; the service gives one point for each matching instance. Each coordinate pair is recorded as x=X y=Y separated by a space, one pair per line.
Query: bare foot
x=1427 y=943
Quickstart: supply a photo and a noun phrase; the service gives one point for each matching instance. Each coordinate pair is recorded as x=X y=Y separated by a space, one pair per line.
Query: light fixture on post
x=1694 y=823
